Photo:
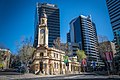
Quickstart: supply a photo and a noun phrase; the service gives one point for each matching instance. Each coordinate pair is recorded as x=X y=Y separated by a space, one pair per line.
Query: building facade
x=47 y=60
x=114 y=13
x=5 y=58
x=50 y=61
x=106 y=46
x=73 y=47
x=83 y=33
x=68 y=37
x=113 y=48
x=107 y=53
x=53 y=22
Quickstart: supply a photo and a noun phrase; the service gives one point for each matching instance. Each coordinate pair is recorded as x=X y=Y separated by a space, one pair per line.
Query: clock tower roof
x=43 y=14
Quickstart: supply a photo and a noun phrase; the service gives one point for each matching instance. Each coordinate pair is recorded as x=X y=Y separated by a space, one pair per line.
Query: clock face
x=42 y=31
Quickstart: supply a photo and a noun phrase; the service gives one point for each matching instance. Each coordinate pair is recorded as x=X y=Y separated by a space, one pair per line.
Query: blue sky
x=17 y=18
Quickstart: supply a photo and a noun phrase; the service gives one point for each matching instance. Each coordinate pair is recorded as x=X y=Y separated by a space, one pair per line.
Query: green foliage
x=1 y=58
x=1 y=55
x=81 y=54
x=1 y=65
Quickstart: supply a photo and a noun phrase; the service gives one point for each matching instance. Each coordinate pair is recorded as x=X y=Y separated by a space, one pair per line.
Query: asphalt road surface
x=80 y=77
x=83 y=76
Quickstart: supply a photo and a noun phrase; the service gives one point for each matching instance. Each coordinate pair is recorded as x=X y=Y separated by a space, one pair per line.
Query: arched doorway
x=41 y=62
x=41 y=67
x=41 y=54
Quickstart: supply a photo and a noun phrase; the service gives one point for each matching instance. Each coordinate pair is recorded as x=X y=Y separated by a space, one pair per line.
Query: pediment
x=41 y=47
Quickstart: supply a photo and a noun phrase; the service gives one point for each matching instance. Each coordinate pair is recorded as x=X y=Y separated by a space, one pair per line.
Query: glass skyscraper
x=83 y=32
x=53 y=24
x=114 y=13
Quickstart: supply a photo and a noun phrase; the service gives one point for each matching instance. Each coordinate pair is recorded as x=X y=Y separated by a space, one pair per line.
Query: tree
x=80 y=54
x=1 y=58
x=14 y=60
x=56 y=43
x=25 y=50
x=103 y=47
x=4 y=56
x=102 y=38
x=61 y=46
x=1 y=55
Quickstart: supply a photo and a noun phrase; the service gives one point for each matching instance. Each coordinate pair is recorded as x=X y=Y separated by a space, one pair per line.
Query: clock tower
x=43 y=30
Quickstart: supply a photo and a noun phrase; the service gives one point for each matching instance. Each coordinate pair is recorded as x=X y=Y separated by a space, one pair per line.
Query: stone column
x=38 y=37
x=47 y=69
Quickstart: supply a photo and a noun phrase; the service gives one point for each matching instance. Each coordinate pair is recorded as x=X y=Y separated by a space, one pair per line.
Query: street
x=29 y=76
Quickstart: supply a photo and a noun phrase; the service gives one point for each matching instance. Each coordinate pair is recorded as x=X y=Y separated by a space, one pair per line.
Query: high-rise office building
x=83 y=32
x=53 y=22
x=114 y=13
x=68 y=37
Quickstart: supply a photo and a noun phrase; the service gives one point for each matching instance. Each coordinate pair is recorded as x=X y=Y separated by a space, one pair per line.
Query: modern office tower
x=68 y=37
x=83 y=33
x=53 y=22
x=114 y=13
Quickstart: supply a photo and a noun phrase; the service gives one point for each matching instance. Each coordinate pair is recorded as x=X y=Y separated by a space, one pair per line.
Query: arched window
x=57 y=65
x=54 y=65
x=54 y=55
x=41 y=54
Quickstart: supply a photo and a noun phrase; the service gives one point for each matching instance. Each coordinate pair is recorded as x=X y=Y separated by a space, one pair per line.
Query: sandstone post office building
x=50 y=61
